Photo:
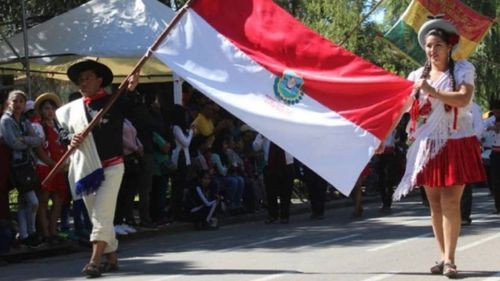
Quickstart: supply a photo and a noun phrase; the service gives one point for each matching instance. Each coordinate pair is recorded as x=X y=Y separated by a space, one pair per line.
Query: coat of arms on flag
x=288 y=88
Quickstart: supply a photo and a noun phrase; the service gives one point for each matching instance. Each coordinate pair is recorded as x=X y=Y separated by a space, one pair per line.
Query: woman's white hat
x=434 y=23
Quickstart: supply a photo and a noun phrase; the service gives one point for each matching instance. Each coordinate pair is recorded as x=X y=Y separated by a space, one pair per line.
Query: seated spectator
x=199 y=207
x=232 y=184
x=254 y=165
x=20 y=137
x=203 y=125
x=48 y=155
x=199 y=151
x=225 y=123
x=242 y=169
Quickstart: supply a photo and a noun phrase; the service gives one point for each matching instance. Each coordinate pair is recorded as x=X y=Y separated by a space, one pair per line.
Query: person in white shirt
x=466 y=201
x=181 y=158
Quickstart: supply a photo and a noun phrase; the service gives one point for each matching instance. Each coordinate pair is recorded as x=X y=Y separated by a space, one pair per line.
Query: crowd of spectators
x=190 y=162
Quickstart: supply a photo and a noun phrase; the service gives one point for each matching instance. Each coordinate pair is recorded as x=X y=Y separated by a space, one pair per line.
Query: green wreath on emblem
x=288 y=88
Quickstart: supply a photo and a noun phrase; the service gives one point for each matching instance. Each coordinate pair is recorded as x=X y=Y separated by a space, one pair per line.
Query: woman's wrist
x=435 y=92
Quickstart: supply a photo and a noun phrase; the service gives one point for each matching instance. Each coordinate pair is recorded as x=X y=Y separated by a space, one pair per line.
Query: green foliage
x=344 y=22
x=337 y=20
x=486 y=58
x=37 y=11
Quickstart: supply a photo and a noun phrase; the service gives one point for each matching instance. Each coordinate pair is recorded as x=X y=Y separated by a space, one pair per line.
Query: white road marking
x=382 y=276
x=270 y=277
x=328 y=241
x=170 y=277
x=259 y=242
x=396 y=243
x=494 y=277
x=479 y=242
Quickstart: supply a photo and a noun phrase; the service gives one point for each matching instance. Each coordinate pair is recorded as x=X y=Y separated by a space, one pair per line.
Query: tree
x=345 y=23
x=341 y=21
x=37 y=11
x=487 y=56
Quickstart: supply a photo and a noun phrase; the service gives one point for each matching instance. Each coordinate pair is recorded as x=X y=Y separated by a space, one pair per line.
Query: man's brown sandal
x=108 y=267
x=91 y=270
x=450 y=270
x=438 y=268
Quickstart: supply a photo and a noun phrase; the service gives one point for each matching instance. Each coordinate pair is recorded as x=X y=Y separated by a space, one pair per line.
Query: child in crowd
x=200 y=207
x=48 y=154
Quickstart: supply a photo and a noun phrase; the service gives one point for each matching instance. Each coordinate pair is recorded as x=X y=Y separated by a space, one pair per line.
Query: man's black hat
x=100 y=70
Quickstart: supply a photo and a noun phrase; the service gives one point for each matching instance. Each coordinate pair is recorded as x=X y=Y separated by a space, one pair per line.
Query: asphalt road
x=396 y=246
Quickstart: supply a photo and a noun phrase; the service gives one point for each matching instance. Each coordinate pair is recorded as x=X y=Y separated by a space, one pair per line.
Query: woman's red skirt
x=458 y=163
x=57 y=185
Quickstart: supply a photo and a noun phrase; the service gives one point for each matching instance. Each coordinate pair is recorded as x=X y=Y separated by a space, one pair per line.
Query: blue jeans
x=26 y=214
x=234 y=190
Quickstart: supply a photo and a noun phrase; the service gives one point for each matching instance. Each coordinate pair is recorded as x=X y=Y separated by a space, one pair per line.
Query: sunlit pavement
x=395 y=246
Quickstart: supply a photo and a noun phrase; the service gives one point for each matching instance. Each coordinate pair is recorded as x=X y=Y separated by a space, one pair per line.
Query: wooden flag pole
x=120 y=90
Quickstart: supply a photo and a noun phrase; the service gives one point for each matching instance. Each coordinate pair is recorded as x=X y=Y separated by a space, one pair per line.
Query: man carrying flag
x=317 y=101
x=96 y=167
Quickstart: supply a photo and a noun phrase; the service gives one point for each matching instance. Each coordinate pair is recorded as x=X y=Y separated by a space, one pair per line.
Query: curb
x=69 y=247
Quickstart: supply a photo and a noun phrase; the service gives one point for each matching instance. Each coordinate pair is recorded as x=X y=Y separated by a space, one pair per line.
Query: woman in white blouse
x=180 y=156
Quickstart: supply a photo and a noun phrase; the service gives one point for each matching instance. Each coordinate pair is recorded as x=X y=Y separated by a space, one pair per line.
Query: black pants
x=316 y=187
x=495 y=177
x=386 y=170
x=279 y=184
x=249 y=194
x=158 y=198
x=466 y=202
x=145 y=185
x=179 y=184
x=125 y=202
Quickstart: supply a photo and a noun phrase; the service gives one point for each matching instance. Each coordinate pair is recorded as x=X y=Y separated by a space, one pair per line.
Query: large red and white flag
x=327 y=107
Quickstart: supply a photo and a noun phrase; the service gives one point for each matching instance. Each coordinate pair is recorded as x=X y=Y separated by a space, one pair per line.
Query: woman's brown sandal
x=450 y=270
x=91 y=270
x=438 y=268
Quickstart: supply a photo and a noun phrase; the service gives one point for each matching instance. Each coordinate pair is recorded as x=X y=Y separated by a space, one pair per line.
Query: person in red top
x=48 y=154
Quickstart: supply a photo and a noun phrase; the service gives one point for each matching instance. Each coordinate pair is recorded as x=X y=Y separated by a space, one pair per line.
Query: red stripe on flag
x=361 y=92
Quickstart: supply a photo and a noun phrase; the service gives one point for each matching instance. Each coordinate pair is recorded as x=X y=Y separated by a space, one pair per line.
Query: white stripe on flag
x=334 y=147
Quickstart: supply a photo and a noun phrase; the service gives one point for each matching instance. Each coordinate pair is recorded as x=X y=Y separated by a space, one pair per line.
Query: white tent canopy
x=99 y=28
